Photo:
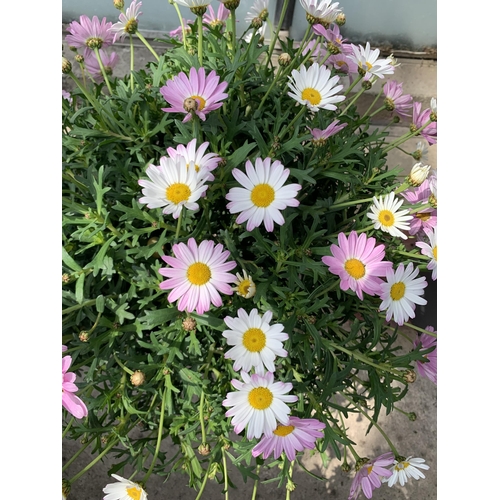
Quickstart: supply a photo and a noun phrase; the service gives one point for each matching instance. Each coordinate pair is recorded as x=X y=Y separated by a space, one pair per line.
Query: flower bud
x=79 y=58
x=66 y=488
x=137 y=378
x=231 y=4
x=66 y=66
x=189 y=324
x=256 y=23
x=84 y=336
x=412 y=416
x=119 y=4
x=418 y=174
x=340 y=19
x=346 y=467
x=290 y=485
x=434 y=110
x=65 y=278
x=204 y=449
x=389 y=104
x=198 y=10
x=367 y=85
x=410 y=376
x=190 y=104
x=284 y=59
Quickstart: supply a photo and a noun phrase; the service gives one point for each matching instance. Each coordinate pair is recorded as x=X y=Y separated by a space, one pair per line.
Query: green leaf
x=79 y=288
x=69 y=261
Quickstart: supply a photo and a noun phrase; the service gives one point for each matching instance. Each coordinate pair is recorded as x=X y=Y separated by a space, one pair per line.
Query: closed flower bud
x=66 y=66
x=410 y=376
x=119 y=4
x=79 y=58
x=204 y=449
x=290 y=485
x=231 y=4
x=137 y=378
x=367 y=85
x=418 y=174
x=256 y=23
x=189 y=324
x=346 y=467
x=66 y=488
x=412 y=416
x=284 y=59
x=65 y=278
x=84 y=336
x=340 y=19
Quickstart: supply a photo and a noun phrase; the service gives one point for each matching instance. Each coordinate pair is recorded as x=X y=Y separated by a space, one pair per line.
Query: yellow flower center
x=260 y=398
x=254 y=339
x=198 y=273
x=196 y=167
x=178 y=192
x=401 y=465
x=244 y=287
x=368 y=65
x=262 y=195
x=435 y=253
x=423 y=216
x=355 y=268
x=369 y=469
x=311 y=95
x=201 y=102
x=283 y=430
x=386 y=218
x=134 y=493
x=398 y=290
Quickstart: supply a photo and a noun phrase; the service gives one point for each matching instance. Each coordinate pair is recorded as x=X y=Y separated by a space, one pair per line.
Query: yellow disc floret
x=262 y=195
x=260 y=398
x=355 y=268
x=199 y=273
x=311 y=95
x=254 y=339
x=178 y=192
x=398 y=290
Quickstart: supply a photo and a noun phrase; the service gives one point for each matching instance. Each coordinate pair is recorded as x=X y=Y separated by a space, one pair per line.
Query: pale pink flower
x=204 y=164
x=66 y=95
x=359 y=263
x=71 y=401
x=219 y=19
x=89 y=34
x=109 y=61
x=127 y=23
x=427 y=369
x=298 y=435
x=420 y=118
x=319 y=136
x=402 y=104
x=177 y=33
x=369 y=476
x=197 y=275
x=425 y=219
x=207 y=92
x=430 y=250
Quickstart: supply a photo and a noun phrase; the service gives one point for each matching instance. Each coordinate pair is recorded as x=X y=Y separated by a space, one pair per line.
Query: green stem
x=226 y=482
x=96 y=460
x=75 y=456
x=289 y=486
x=183 y=28
x=353 y=84
x=389 y=442
x=179 y=224
x=146 y=43
x=414 y=255
x=301 y=47
x=352 y=101
x=373 y=104
x=103 y=71
x=350 y=203
x=256 y=481
x=374 y=113
x=292 y=123
x=432 y=334
x=200 y=40
x=68 y=427
x=205 y=477
x=276 y=32
x=233 y=31
x=277 y=76
x=131 y=63
x=123 y=367
x=160 y=432
x=202 y=419
x=405 y=137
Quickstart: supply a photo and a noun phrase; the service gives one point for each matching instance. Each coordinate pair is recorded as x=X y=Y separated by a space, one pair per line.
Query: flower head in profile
x=203 y=163
x=418 y=174
x=198 y=7
x=421 y=152
x=245 y=286
x=109 y=61
x=369 y=63
x=258 y=404
x=197 y=275
x=177 y=33
x=319 y=136
x=322 y=12
x=127 y=24
x=395 y=100
x=172 y=185
x=401 y=292
x=387 y=217
x=124 y=490
x=70 y=400
x=428 y=368
x=419 y=119
x=404 y=469
x=219 y=19
x=425 y=219
x=335 y=42
x=430 y=250
x=256 y=342
x=259 y=10
x=370 y=474
x=89 y=34
x=263 y=194
x=198 y=94
x=358 y=262
x=315 y=87
x=300 y=434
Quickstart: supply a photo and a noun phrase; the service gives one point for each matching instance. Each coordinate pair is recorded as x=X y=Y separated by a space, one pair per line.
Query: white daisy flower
x=258 y=404
x=321 y=12
x=172 y=186
x=315 y=87
x=401 y=292
x=245 y=286
x=256 y=343
x=259 y=9
x=421 y=152
x=263 y=194
x=127 y=23
x=430 y=250
x=386 y=217
x=418 y=174
x=404 y=469
x=193 y=4
x=124 y=490
x=368 y=62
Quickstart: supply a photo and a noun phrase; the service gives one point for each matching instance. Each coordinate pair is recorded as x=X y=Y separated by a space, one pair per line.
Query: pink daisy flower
x=203 y=163
x=420 y=118
x=177 y=33
x=109 y=61
x=426 y=219
x=359 y=263
x=127 y=23
x=430 y=250
x=219 y=19
x=367 y=478
x=71 y=401
x=197 y=275
x=258 y=404
x=197 y=93
x=427 y=369
x=332 y=37
x=300 y=434
x=89 y=35
x=319 y=136
x=394 y=98
x=263 y=194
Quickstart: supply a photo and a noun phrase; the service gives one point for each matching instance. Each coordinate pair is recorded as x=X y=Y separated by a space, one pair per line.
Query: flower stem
x=183 y=28
x=276 y=32
x=202 y=419
x=179 y=224
x=202 y=488
x=255 y=483
x=75 y=456
x=68 y=427
x=353 y=100
x=233 y=31
x=200 y=40
x=276 y=78
x=146 y=43
x=290 y=482
x=292 y=123
x=405 y=137
x=353 y=84
x=373 y=104
x=226 y=482
x=103 y=71
x=131 y=63
x=123 y=367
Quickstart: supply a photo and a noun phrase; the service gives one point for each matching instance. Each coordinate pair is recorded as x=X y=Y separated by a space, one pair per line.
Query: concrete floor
x=417 y=438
